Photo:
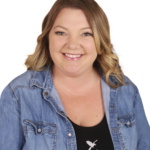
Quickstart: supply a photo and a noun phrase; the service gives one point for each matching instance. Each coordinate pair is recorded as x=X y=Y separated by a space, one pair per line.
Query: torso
x=83 y=111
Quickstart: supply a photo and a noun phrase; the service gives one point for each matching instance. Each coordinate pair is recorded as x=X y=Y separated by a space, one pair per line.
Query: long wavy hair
x=107 y=58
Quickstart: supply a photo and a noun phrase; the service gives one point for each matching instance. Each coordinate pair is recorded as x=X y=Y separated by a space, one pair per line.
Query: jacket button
x=113 y=130
x=39 y=130
x=112 y=106
x=46 y=93
x=61 y=112
x=69 y=134
x=128 y=123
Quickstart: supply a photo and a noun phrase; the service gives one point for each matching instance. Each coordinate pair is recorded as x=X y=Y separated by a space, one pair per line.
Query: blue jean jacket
x=32 y=116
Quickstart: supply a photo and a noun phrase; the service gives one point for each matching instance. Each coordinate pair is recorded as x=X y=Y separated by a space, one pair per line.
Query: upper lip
x=72 y=54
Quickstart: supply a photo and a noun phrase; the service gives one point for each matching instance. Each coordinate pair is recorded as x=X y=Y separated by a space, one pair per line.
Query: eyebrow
x=66 y=28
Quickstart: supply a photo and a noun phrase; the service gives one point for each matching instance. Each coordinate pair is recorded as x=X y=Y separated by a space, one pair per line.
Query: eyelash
x=63 y=32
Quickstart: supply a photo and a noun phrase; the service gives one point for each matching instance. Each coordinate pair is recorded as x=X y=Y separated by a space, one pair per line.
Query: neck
x=78 y=83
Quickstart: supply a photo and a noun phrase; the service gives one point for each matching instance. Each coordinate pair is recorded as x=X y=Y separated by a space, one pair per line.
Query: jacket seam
x=12 y=92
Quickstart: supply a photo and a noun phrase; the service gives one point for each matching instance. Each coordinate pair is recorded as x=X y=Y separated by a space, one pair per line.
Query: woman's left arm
x=143 y=128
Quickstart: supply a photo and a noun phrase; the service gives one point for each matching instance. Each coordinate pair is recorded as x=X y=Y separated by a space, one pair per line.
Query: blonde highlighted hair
x=106 y=59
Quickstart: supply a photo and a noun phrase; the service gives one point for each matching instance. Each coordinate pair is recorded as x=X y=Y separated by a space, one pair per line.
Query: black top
x=93 y=138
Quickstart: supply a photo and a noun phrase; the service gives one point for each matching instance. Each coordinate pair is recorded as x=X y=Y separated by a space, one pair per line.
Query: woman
x=74 y=94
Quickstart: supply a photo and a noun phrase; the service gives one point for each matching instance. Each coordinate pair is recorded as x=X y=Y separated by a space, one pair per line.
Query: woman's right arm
x=11 y=132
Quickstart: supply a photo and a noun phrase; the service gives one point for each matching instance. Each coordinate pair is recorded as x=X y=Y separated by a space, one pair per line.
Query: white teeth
x=72 y=56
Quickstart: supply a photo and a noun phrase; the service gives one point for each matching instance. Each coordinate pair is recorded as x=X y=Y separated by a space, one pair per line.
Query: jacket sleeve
x=11 y=132
x=143 y=128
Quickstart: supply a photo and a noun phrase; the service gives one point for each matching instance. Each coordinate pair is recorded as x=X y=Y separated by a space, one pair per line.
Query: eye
x=63 y=32
x=59 y=32
x=88 y=33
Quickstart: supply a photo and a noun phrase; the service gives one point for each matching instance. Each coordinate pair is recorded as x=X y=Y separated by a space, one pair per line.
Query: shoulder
x=22 y=79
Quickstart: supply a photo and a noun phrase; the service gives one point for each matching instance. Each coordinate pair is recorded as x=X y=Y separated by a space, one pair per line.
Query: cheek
x=90 y=48
x=55 y=45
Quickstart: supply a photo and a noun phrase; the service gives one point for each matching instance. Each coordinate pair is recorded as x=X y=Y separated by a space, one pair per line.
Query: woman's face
x=69 y=36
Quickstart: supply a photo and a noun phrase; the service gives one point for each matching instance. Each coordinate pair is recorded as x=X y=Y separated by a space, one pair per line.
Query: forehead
x=71 y=17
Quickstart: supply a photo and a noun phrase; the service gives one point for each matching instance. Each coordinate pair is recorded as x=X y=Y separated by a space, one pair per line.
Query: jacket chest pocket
x=126 y=121
x=127 y=131
x=40 y=135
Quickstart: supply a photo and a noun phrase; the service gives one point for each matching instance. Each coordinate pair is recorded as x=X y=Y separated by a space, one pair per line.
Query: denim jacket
x=32 y=116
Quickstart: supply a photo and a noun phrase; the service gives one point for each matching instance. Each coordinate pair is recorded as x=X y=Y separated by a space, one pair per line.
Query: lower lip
x=77 y=58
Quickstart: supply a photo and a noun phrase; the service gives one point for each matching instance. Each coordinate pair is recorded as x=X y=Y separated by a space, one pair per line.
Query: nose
x=73 y=43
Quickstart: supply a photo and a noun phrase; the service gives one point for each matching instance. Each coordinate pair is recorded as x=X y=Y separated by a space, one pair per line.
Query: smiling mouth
x=73 y=57
x=72 y=54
